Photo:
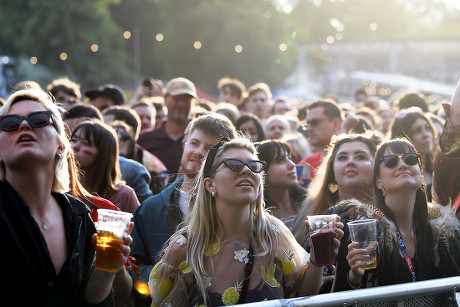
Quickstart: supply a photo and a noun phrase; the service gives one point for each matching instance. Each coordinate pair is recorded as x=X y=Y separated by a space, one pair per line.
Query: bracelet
x=318 y=266
x=352 y=285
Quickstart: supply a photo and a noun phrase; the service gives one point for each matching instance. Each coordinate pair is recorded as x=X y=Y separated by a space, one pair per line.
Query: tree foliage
x=47 y=28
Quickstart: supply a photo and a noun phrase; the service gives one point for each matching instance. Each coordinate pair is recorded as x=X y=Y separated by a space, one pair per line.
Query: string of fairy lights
x=159 y=37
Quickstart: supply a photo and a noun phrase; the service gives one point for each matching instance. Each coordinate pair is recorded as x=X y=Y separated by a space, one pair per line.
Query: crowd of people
x=220 y=191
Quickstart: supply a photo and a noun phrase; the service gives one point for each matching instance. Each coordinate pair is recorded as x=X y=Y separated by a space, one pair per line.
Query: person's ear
x=60 y=151
x=209 y=185
x=378 y=182
x=336 y=124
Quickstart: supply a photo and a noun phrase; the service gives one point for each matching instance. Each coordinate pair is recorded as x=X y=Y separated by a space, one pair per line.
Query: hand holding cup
x=325 y=232
x=362 y=252
x=112 y=240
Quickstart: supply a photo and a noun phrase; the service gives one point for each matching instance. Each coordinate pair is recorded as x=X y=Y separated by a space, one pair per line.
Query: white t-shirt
x=183 y=201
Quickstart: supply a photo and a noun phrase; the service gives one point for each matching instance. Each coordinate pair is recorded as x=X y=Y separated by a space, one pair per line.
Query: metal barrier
x=437 y=292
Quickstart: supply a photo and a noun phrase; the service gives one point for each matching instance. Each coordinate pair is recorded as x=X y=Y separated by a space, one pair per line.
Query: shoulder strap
x=247 y=275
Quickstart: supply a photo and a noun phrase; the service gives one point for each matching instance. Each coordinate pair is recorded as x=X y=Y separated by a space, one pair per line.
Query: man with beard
x=165 y=142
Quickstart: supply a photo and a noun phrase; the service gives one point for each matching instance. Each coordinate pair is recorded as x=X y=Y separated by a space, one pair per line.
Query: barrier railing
x=437 y=292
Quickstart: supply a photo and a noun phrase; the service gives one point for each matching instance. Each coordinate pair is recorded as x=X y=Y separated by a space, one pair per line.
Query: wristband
x=352 y=285
x=318 y=266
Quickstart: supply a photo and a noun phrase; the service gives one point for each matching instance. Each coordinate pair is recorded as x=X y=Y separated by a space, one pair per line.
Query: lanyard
x=402 y=246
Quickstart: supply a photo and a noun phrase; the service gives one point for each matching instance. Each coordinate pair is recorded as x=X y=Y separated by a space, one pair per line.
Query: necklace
x=45 y=225
x=213 y=248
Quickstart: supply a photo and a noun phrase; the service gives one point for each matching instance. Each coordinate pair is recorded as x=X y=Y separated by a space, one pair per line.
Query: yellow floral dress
x=172 y=282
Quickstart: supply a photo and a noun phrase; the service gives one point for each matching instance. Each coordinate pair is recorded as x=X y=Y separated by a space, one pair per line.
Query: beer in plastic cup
x=111 y=227
x=365 y=233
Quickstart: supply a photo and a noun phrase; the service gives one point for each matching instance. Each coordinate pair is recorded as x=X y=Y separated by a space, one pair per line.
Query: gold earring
x=333 y=187
x=213 y=194
x=383 y=191
x=423 y=187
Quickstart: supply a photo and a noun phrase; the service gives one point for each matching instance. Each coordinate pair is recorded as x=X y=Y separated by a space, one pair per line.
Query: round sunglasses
x=237 y=165
x=12 y=122
x=390 y=161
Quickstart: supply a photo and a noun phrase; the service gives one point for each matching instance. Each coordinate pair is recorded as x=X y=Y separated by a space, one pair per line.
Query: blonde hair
x=61 y=172
x=201 y=222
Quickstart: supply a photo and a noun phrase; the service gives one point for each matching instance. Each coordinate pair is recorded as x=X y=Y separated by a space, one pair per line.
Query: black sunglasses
x=391 y=161
x=315 y=122
x=237 y=165
x=125 y=136
x=12 y=122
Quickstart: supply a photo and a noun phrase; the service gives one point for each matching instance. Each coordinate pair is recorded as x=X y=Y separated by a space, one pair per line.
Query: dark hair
x=102 y=136
x=326 y=198
x=127 y=115
x=83 y=111
x=247 y=117
x=216 y=125
x=402 y=128
x=362 y=126
x=420 y=215
x=411 y=98
x=360 y=91
x=330 y=107
x=235 y=85
x=269 y=151
x=66 y=85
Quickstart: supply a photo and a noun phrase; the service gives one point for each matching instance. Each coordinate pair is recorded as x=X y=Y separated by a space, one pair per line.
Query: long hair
x=424 y=246
x=401 y=127
x=320 y=198
x=269 y=151
x=61 y=172
x=201 y=222
x=107 y=177
x=247 y=117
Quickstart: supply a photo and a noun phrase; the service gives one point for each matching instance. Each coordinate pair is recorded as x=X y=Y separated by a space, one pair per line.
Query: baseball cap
x=180 y=86
x=111 y=90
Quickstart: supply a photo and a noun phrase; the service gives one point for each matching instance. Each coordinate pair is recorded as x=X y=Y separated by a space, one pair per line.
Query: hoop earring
x=423 y=187
x=333 y=187
x=383 y=191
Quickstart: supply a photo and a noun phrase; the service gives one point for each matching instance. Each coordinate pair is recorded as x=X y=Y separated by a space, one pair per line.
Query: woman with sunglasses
x=96 y=150
x=346 y=172
x=48 y=235
x=415 y=242
x=283 y=193
x=229 y=250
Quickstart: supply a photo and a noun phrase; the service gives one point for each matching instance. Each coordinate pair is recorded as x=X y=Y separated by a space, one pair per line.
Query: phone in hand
x=303 y=174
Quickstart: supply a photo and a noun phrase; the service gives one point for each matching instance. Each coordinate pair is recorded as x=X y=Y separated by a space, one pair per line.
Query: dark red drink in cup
x=322 y=234
x=323 y=247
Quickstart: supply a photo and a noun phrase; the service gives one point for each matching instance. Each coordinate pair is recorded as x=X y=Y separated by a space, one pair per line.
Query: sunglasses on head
x=391 y=161
x=12 y=122
x=237 y=165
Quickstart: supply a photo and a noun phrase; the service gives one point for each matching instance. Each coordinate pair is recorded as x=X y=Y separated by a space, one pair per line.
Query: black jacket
x=27 y=269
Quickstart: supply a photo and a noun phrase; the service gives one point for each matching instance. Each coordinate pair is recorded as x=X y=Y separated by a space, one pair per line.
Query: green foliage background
x=45 y=28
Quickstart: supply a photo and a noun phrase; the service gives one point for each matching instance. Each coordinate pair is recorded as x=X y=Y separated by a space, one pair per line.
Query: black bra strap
x=247 y=275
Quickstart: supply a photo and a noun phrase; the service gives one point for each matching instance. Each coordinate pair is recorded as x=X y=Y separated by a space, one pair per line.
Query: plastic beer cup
x=365 y=233
x=322 y=233
x=111 y=227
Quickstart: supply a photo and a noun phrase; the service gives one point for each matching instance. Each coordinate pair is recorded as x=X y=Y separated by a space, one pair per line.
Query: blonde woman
x=48 y=234
x=229 y=250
